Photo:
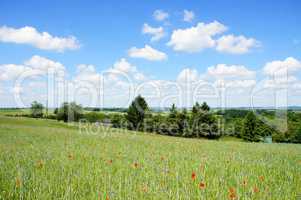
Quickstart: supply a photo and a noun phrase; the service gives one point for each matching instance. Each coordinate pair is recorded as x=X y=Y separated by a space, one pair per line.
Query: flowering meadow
x=45 y=159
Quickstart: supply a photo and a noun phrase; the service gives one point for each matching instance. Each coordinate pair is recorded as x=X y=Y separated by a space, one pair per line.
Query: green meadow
x=46 y=159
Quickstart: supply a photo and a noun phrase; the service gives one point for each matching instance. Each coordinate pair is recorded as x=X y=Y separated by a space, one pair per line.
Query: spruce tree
x=249 y=129
x=136 y=112
x=205 y=107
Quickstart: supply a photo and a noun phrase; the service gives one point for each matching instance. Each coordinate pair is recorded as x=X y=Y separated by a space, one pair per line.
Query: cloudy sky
x=228 y=53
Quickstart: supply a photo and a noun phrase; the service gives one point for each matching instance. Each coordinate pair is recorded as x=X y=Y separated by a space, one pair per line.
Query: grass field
x=44 y=159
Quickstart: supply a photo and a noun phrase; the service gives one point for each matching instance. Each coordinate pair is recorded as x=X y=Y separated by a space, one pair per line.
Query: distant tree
x=36 y=109
x=56 y=110
x=94 y=116
x=70 y=112
x=183 y=122
x=203 y=123
x=205 y=107
x=173 y=111
x=117 y=120
x=250 y=127
x=137 y=112
x=196 y=108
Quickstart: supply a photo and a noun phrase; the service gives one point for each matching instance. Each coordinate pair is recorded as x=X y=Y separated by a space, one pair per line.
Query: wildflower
x=232 y=196
x=162 y=158
x=202 y=185
x=193 y=176
x=135 y=165
x=232 y=193
x=255 y=189
x=18 y=182
x=110 y=161
x=231 y=190
x=261 y=178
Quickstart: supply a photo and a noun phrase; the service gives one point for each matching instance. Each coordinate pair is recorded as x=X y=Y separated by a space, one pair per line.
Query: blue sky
x=106 y=30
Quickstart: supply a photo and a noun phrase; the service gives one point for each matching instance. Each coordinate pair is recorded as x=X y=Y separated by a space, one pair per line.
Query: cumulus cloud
x=87 y=72
x=44 y=64
x=35 y=65
x=230 y=71
x=123 y=68
x=196 y=38
x=188 y=75
x=234 y=83
x=148 y=53
x=236 y=44
x=188 y=15
x=282 y=68
x=280 y=82
x=42 y=40
x=160 y=15
x=10 y=71
x=156 y=33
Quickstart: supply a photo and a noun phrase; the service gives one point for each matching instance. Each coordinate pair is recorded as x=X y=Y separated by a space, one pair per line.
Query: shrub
x=36 y=109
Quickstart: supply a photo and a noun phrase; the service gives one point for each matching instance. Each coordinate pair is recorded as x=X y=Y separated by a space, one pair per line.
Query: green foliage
x=249 y=129
x=173 y=111
x=205 y=107
x=118 y=121
x=36 y=109
x=137 y=112
x=70 y=112
x=203 y=123
x=94 y=116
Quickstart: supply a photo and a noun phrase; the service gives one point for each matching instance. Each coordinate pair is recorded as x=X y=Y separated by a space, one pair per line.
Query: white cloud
x=234 y=83
x=160 y=15
x=188 y=75
x=124 y=66
x=280 y=82
x=188 y=16
x=196 y=38
x=156 y=33
x=236 y=44
x=87 y=73
x=44 y=64
x=29 y=35
x=282 y=68
x=221 y=71
x=123 y=69
x=10 y=71
x=147 y=53
x=35 y=65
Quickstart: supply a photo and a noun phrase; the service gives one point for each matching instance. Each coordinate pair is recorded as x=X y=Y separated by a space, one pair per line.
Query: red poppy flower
x=193 y=176
x=232 y=196
x=255 y=189
x=202 y=185
x=231 y=190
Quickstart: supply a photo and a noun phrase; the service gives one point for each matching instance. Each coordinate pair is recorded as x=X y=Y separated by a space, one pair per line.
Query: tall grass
x=44 y=159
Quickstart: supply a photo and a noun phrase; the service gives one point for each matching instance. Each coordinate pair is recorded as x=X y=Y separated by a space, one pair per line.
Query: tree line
x=199 y=121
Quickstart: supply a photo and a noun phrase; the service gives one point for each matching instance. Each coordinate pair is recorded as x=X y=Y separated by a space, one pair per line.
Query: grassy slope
x=43 y=159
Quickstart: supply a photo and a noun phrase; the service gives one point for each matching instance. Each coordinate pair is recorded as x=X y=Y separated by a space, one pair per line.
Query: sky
x=104 y=53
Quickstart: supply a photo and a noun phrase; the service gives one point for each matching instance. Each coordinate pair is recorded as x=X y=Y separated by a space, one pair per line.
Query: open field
x=45 y=159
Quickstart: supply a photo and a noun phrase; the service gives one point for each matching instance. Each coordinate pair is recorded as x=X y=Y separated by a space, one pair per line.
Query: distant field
x=46 y=159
